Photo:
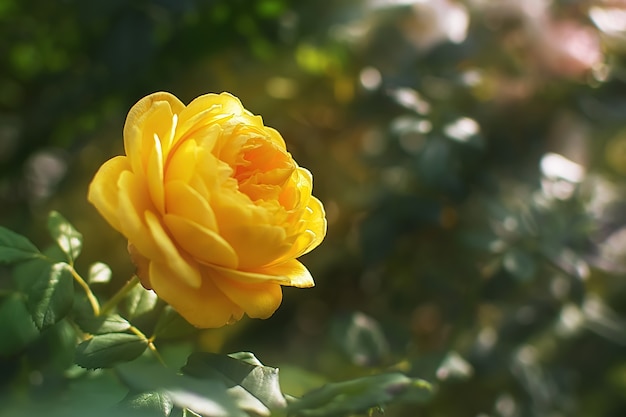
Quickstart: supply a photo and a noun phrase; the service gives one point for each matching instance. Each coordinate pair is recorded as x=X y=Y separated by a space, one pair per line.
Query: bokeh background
x=471 y=156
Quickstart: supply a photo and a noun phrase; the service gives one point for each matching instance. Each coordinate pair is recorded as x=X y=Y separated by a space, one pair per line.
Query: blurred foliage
x=470 y=155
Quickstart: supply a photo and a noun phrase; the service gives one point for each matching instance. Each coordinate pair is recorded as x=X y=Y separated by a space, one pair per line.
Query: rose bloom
x=214 y=208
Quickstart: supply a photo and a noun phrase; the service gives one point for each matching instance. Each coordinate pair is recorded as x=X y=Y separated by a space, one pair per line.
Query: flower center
x=262 y=169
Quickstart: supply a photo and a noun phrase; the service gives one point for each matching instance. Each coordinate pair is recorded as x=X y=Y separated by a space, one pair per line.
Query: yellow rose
x=214 y=208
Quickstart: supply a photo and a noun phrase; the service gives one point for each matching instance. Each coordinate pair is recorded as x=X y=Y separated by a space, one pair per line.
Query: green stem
x=113 y=301
x=90 y=296
x=156 y=352
x=150 y=344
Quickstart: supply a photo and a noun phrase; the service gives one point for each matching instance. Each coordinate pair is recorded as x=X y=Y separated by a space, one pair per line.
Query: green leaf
x=359 y=395
x=172 y=326
x=107 y=350
x=247 y=377
x=66 y=236
x=151 y=403
x=53 y=253
x=207 y=397
x=16 y=327
x=245 y=357
x=92 y=394
x=188 y=413
x=99 y=273
x=26 y=274
x=139 y=302
x=175 y=354
x=15 y=247
x=113 y=323
x=49 y=291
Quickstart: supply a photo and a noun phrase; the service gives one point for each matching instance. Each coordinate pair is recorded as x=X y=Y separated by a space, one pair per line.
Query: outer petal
x=298 y=189
x=291 y=273
x=212 y=104
x=315 y=219
x=207 y=110
x=257 y=243
x=301 y=244
x=181 y=164
x=134 y=202
x=154 y=114
x=103 y=192
x=184 y=201
x=203 y=244
x=206 y=307
x=313 y=223
x=258 y=300
x=185 y=268
x=249 y=229
x=211 y=176
x=155 y=175
x=276 y=137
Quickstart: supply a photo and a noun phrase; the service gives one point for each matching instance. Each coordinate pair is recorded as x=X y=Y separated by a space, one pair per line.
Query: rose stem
x=150 y=344
x=117 y=297
x=90 y=296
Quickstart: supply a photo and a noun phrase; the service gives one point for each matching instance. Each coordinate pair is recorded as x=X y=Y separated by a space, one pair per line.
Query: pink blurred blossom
x=435 y=21
x=428 y=23
x=568 y=48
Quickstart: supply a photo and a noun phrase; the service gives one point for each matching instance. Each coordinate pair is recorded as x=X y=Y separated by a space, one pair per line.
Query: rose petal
x=133 y=202
x=193 y=164
x=203 y=244
x=294 y=273
x=184 y=267
x=256 y=246
x=186 y=202
x=302 y=243
x=315 y=219
x=218 y=105
x=298 y=189
x=154 y=175
x=103 y=189
x=214 y=174
x=231 y=143
x=313 y=222
x=305 y=180
x=204 y=307
x=258 y=300
x=249 y=231
x=181 y=164
x=275 y=137
x=152 y=114
x=207 y=110
x=291 y=273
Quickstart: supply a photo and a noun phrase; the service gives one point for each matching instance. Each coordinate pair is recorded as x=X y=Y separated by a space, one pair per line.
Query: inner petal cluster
x=263 y=170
